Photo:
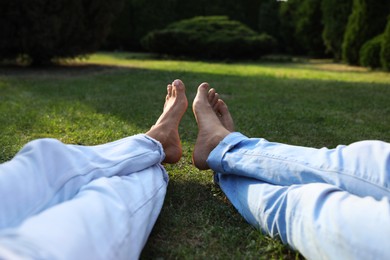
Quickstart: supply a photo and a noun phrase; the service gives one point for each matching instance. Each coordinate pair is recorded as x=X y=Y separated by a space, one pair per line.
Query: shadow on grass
x=92 y=104
x=327 y=112
x=62 y=71
x=198 y=222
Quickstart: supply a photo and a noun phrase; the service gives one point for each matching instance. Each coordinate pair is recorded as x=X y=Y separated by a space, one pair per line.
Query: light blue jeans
x=325 y=203
x=62 y=201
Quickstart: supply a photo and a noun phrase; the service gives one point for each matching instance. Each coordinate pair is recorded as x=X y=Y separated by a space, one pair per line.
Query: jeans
x=325 y=203
x=81 y=202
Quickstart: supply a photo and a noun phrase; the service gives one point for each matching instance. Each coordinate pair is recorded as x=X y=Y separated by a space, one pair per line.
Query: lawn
x=112 y=95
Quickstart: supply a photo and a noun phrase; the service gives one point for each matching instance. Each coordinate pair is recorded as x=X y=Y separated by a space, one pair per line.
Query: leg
x=319 y=220
x=46 y=172
x=110 y=218
x=166 y=128
x=362 y=168
x=211 y=130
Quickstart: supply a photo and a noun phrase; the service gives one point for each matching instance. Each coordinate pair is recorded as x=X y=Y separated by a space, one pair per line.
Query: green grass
x=112 y=95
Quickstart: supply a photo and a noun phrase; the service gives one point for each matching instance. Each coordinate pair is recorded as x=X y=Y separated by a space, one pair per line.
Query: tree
x=385 y=50
x=308 y=27
x=335 y=17
x=268 y=18
x=288 y=18
x=368 y=19
x=40 y=30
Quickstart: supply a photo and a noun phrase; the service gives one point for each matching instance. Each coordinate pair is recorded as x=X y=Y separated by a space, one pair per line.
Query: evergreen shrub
x=211 y=37
x=368 y=19
x=370 y=52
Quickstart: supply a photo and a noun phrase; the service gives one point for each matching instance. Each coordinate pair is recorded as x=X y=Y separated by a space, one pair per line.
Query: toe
x=179 y=85
x=222 y=107
x=215 y=100
x=169 y=90
x=211 y=94
x=203 y=89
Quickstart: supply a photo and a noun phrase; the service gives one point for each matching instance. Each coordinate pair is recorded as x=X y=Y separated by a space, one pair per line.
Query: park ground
x=112 y=95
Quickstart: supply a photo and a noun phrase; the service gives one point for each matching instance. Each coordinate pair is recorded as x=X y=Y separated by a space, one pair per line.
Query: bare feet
x=211 y=129
x=221 y=110
x=166 y=128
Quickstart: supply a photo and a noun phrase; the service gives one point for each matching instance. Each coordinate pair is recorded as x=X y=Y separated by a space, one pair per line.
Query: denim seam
x=297 y=162
x=138 y=209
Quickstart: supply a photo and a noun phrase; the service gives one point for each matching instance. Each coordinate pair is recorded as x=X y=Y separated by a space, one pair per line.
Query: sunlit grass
x=112 y=95
x=320 y=70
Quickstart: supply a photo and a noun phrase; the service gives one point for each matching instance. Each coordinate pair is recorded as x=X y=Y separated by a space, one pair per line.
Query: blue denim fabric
x=81 y=202
x=325 y=203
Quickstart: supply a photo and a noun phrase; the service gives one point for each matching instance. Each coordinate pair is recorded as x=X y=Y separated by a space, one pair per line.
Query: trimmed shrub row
x=375 y=53
x=213 y=37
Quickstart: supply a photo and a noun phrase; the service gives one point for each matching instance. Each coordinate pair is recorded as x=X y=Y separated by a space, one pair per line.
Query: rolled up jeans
x=325 y=203
x=81 y=202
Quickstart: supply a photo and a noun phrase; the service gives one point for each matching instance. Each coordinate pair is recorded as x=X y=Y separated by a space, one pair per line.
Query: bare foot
x=221 y=110
x=166 y=128
x=211 y=131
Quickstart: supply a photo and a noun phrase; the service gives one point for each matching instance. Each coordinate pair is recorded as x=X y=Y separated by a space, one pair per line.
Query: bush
x=370 y=52
x=385 y=50
x=140 y=17
x=209 y=37
x=368 y=18
x=40 y=30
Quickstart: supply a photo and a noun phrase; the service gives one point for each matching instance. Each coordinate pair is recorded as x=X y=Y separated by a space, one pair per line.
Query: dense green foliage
x=385 y=50
x=40 y=30
x=140 y=17
x=308 y=27
x=209 y=37
x=370 y=52
x=268 y=21
x=368 y=18
x=335 y=17
x=353 y=39
x=288 y=17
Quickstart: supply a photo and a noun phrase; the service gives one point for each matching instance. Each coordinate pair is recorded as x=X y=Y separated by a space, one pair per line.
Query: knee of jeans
x=42 y=143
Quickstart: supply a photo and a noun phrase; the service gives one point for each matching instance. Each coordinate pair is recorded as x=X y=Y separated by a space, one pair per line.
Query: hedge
x=212 y=37
x=370 y=52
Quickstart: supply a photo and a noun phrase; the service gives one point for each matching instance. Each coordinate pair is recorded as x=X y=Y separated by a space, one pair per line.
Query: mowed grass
x=113 y=95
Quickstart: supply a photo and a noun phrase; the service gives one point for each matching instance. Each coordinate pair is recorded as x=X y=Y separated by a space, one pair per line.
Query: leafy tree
x=368 y=18
x=268 y=18
x=385 y=50
x=335 y=17
x=301 y=27
x=288 y=19
x=308 y=27
x=40 y=30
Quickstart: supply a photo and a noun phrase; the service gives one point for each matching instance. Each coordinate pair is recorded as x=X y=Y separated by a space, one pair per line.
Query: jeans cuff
x=214 y=160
